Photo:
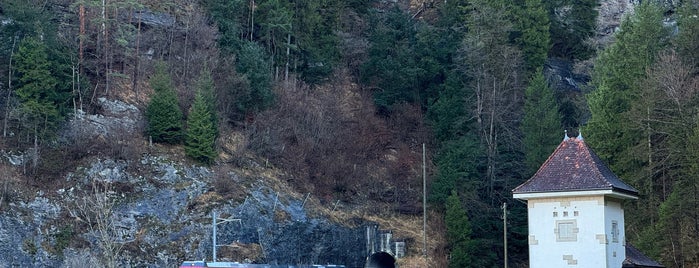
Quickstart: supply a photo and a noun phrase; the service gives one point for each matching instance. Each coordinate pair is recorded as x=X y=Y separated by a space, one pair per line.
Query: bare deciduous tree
x=95 y=210
x=493 y=67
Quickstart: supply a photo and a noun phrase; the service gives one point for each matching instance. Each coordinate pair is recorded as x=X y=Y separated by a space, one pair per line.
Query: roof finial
x=565 y=135
x=580 y=134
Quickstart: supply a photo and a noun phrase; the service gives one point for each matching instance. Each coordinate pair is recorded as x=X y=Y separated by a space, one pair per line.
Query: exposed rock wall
x=166 y=219
x=611 y=12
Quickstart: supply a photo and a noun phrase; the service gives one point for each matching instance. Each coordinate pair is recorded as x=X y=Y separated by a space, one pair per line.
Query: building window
x=565 y=213
x=615 y=232
x=575 y=213
x=566 y=231
x=555 y=214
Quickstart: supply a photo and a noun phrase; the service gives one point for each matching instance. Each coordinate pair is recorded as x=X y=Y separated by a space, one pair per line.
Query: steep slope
x=159 y=204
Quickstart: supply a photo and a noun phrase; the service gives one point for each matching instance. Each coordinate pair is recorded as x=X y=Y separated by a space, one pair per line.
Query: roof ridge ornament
x=565 y=135
x=580 y=137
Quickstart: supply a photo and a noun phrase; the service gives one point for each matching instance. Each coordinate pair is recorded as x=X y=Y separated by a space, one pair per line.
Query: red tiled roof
x=573 y=166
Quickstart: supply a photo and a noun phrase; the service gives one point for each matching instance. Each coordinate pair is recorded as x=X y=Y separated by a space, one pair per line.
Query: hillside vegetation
x=337 y=98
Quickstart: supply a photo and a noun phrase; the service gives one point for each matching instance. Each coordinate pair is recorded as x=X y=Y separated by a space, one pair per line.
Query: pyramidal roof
x=574 y=167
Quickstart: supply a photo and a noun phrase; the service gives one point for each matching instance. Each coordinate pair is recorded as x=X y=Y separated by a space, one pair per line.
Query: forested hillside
x=341 y=94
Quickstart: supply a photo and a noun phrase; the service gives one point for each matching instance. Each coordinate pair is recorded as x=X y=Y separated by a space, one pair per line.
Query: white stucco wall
x=594 y=226
x=616 y=251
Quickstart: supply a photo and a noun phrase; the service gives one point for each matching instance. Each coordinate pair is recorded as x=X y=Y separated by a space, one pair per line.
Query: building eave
x=598 y=192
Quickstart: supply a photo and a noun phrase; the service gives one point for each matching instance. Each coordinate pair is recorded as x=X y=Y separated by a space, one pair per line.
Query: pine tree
x=459 y=162
x=630 y=127
x=617 y=74
x=688 y=36
x=163 y=111
x=541 y=124
x=201 y=132
x=314 y=26
x=276 y=23
x=458 y=233
x=535 y=40
x=37 y=87
x=391 y=67
x=230 y=19
x=573 y=22
x=447 y=113
x=205 y=84
x=254 y=64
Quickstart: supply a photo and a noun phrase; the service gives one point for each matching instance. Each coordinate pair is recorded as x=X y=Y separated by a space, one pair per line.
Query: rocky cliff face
x=159 y=213
x=169 y=218
x=611 y=12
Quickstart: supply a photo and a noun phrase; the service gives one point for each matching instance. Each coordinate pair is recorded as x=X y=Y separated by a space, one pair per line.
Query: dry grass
x=9 y=179
x=404 y=227
x=240 y=251
x=206 y=201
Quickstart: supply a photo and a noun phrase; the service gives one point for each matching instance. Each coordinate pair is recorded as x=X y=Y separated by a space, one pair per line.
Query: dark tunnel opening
x=381 y=260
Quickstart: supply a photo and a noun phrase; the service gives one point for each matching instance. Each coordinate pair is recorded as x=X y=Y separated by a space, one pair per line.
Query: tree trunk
x=81 y=37
x=72 y=80
x=137 y=56
x=186 y=60
x=35 y=153
x=252 y=18
x=288 y=50
x=105 y=35
x=9 y=89
x=80 y=90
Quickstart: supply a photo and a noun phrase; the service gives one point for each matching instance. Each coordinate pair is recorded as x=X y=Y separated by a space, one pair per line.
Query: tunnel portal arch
x=381 y=260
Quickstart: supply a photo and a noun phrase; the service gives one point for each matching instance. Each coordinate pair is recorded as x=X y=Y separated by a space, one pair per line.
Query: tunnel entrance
x=381 y=260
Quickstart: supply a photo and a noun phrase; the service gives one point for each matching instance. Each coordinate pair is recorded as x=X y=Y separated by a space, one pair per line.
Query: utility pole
x=504 y=233
x=424 y=203
x=213 y=223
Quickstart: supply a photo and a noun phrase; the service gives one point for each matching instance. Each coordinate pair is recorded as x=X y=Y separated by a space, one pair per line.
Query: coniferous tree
x=229 y=17
x=205 y=84
x=535 y=40
x=315 y=24
x=460 y=156
x=493 y=68
x=573 y=22
x=666 y=109
x=477 y=113
x=688 y=36
x=458 y=233
x=391 y=67
x=626 y=128
x=541 y=124
x=433 y=52
x=676 y=236
x=459 y=163
x=617 y=74
x=163 y=112
x=37 y=89
x=37 y=92
x=201 y=132
x=448 y=112
x=276 y=24
x=254 y=64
